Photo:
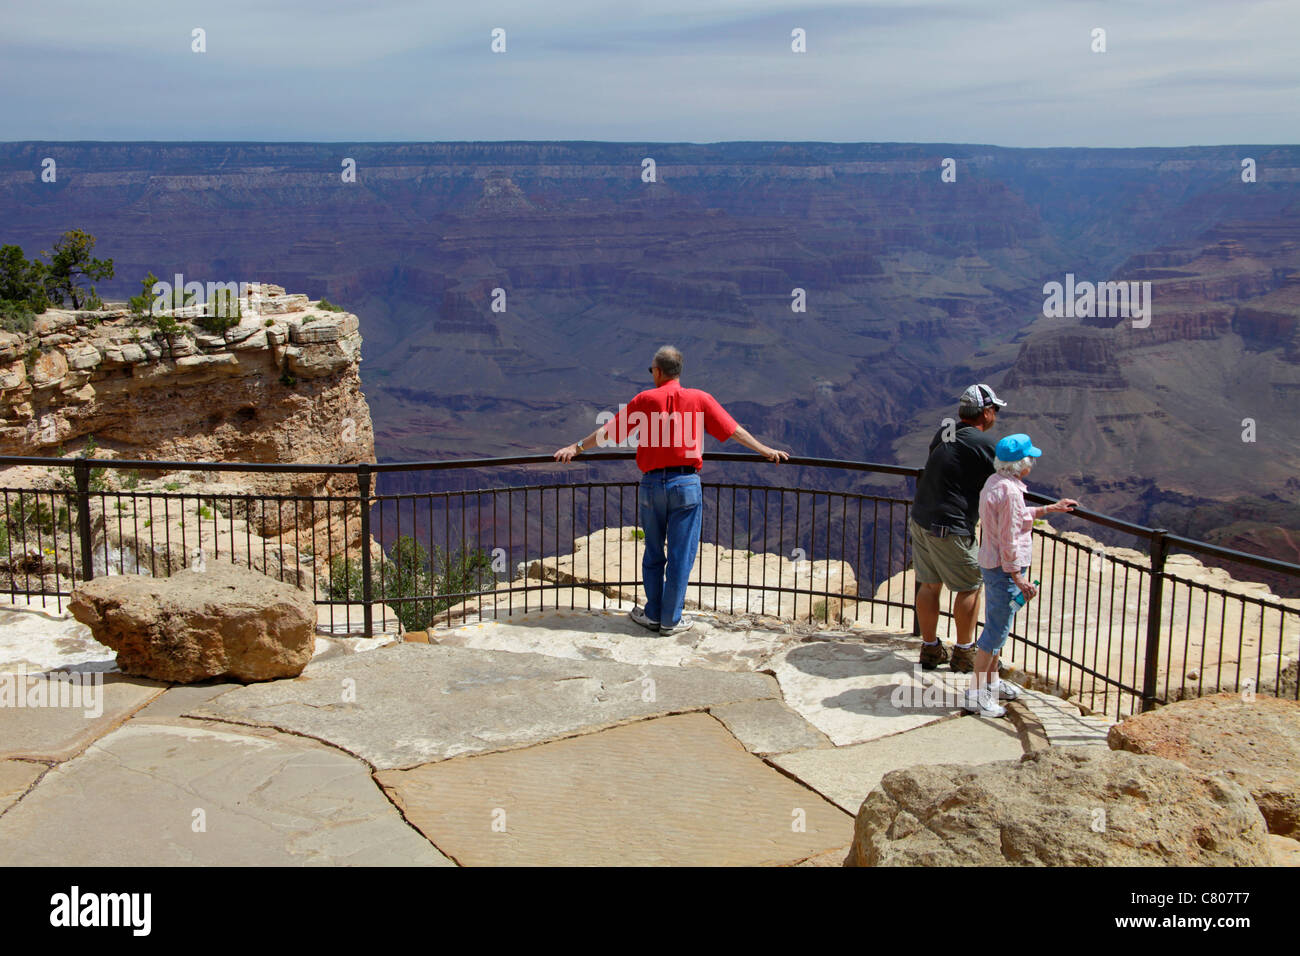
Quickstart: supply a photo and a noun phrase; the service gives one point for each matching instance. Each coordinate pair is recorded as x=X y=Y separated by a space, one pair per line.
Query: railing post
x=81 y=473
x=916 y=618
x=363 y=491
x=1155 y=608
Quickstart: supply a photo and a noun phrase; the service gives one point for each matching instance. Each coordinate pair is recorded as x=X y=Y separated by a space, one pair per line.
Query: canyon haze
x=915 y=288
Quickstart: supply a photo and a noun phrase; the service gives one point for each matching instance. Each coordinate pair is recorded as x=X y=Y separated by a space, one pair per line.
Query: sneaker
x=638 y=614
x=963 y=659
x=932 y=655
x=685 y=624
x=983 y=702
x=1008 y=690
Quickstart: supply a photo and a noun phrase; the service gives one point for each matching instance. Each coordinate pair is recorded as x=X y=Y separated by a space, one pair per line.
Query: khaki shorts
x=952 y=560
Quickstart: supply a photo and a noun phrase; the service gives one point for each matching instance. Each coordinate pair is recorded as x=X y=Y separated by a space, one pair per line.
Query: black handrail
x=1093 y=517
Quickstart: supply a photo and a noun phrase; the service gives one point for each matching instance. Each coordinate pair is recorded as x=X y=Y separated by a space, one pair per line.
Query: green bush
x=328 y=306
x=223 y=312
x=410 y=573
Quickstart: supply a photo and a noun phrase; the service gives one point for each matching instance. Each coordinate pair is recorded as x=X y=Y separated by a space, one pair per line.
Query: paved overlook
x=549 y=736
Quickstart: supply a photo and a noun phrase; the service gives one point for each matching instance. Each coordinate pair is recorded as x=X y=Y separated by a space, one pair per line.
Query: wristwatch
x=578 y=445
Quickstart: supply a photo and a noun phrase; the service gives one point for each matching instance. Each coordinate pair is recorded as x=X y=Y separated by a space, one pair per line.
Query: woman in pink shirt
x=1006 y=546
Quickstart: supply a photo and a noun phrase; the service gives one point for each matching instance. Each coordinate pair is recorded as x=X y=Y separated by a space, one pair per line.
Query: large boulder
x=1062 y=806
x=1255 y=743
x=224 y=621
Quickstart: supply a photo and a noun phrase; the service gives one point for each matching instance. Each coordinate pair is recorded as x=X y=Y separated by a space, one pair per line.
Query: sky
x=1002 y=72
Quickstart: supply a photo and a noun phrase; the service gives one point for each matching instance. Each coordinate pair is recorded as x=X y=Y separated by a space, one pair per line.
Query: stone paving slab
x=1063 y=723
x=15 y=777
x=673 y=791
x=608 y=634
x=57 y=733
x=40 y=636
x=419 y=703
x=860 y=690
x=769 y=727
x=179 y=698
x=845 y=775
x=271 y=800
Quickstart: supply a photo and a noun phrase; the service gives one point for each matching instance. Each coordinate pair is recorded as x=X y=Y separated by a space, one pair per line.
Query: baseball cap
x=1015 y=447
x=980 y=397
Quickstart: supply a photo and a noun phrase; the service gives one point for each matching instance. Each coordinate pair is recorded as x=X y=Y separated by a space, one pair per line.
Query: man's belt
x=942 y=531
x=674 y=470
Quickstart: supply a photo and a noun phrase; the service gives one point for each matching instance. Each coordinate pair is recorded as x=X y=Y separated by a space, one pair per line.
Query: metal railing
x=1105 y=629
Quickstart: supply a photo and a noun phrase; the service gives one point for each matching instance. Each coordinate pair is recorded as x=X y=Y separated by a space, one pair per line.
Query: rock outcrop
x=1076 y=806
x=281 y=386
x=224 y=621
x=1254 y=742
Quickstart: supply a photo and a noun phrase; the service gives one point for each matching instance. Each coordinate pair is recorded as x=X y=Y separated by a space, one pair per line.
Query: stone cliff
x=281 y=386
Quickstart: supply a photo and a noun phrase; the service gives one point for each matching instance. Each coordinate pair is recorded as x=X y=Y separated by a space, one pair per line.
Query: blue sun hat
x=1015 y=447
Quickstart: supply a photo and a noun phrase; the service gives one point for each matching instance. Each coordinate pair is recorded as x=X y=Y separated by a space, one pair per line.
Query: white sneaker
x=638 y=614
x=983 y=702
x=685 y=624
x=1008 y=690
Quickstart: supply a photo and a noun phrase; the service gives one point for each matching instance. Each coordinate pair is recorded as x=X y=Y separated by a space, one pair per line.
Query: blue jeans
x=999 y=589
x=671 y=506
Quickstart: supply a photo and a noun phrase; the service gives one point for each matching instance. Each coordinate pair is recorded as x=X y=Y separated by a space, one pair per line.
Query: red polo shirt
x=669 y=424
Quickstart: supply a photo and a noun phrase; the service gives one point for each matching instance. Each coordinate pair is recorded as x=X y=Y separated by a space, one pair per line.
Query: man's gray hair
x=1013 y=469
x=669 y=361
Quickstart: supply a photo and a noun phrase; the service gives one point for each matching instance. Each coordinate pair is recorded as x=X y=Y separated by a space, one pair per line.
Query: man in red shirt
x=669 y=422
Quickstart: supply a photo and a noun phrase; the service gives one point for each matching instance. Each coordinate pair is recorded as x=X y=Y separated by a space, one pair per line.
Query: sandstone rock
x=320 y=330
x=52 y=321
x=49 y=368
x=1076 y=806
x=182 y=345
x=313 y=361
x=82 y=356
x=226 y=621
x=9 y=343
x=1255 y=743
x=255 y=340
x=13 y=376
x=132 y=353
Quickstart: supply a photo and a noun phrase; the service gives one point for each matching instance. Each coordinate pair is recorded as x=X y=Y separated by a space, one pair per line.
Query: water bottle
x=1019 y=600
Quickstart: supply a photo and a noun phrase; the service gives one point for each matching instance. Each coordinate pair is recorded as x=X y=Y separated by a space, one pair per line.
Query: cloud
x=1017 y=72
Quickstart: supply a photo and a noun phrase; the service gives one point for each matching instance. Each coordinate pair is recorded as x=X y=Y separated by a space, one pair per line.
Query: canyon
x=914 y=288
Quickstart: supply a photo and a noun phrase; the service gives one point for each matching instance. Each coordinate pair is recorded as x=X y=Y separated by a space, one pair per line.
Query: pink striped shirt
x=1005 y=524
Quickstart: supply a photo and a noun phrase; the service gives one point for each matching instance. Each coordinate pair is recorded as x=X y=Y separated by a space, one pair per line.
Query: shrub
x=223 y=312
x=410 y=573
x=328 y=306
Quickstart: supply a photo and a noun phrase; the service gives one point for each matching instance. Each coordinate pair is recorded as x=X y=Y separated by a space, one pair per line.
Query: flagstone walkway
x=539 y=738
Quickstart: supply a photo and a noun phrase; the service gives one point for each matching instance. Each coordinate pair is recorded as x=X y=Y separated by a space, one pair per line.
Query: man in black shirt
x=942 y=526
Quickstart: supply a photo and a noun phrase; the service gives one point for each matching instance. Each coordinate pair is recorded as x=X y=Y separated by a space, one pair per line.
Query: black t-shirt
x=948 y=493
